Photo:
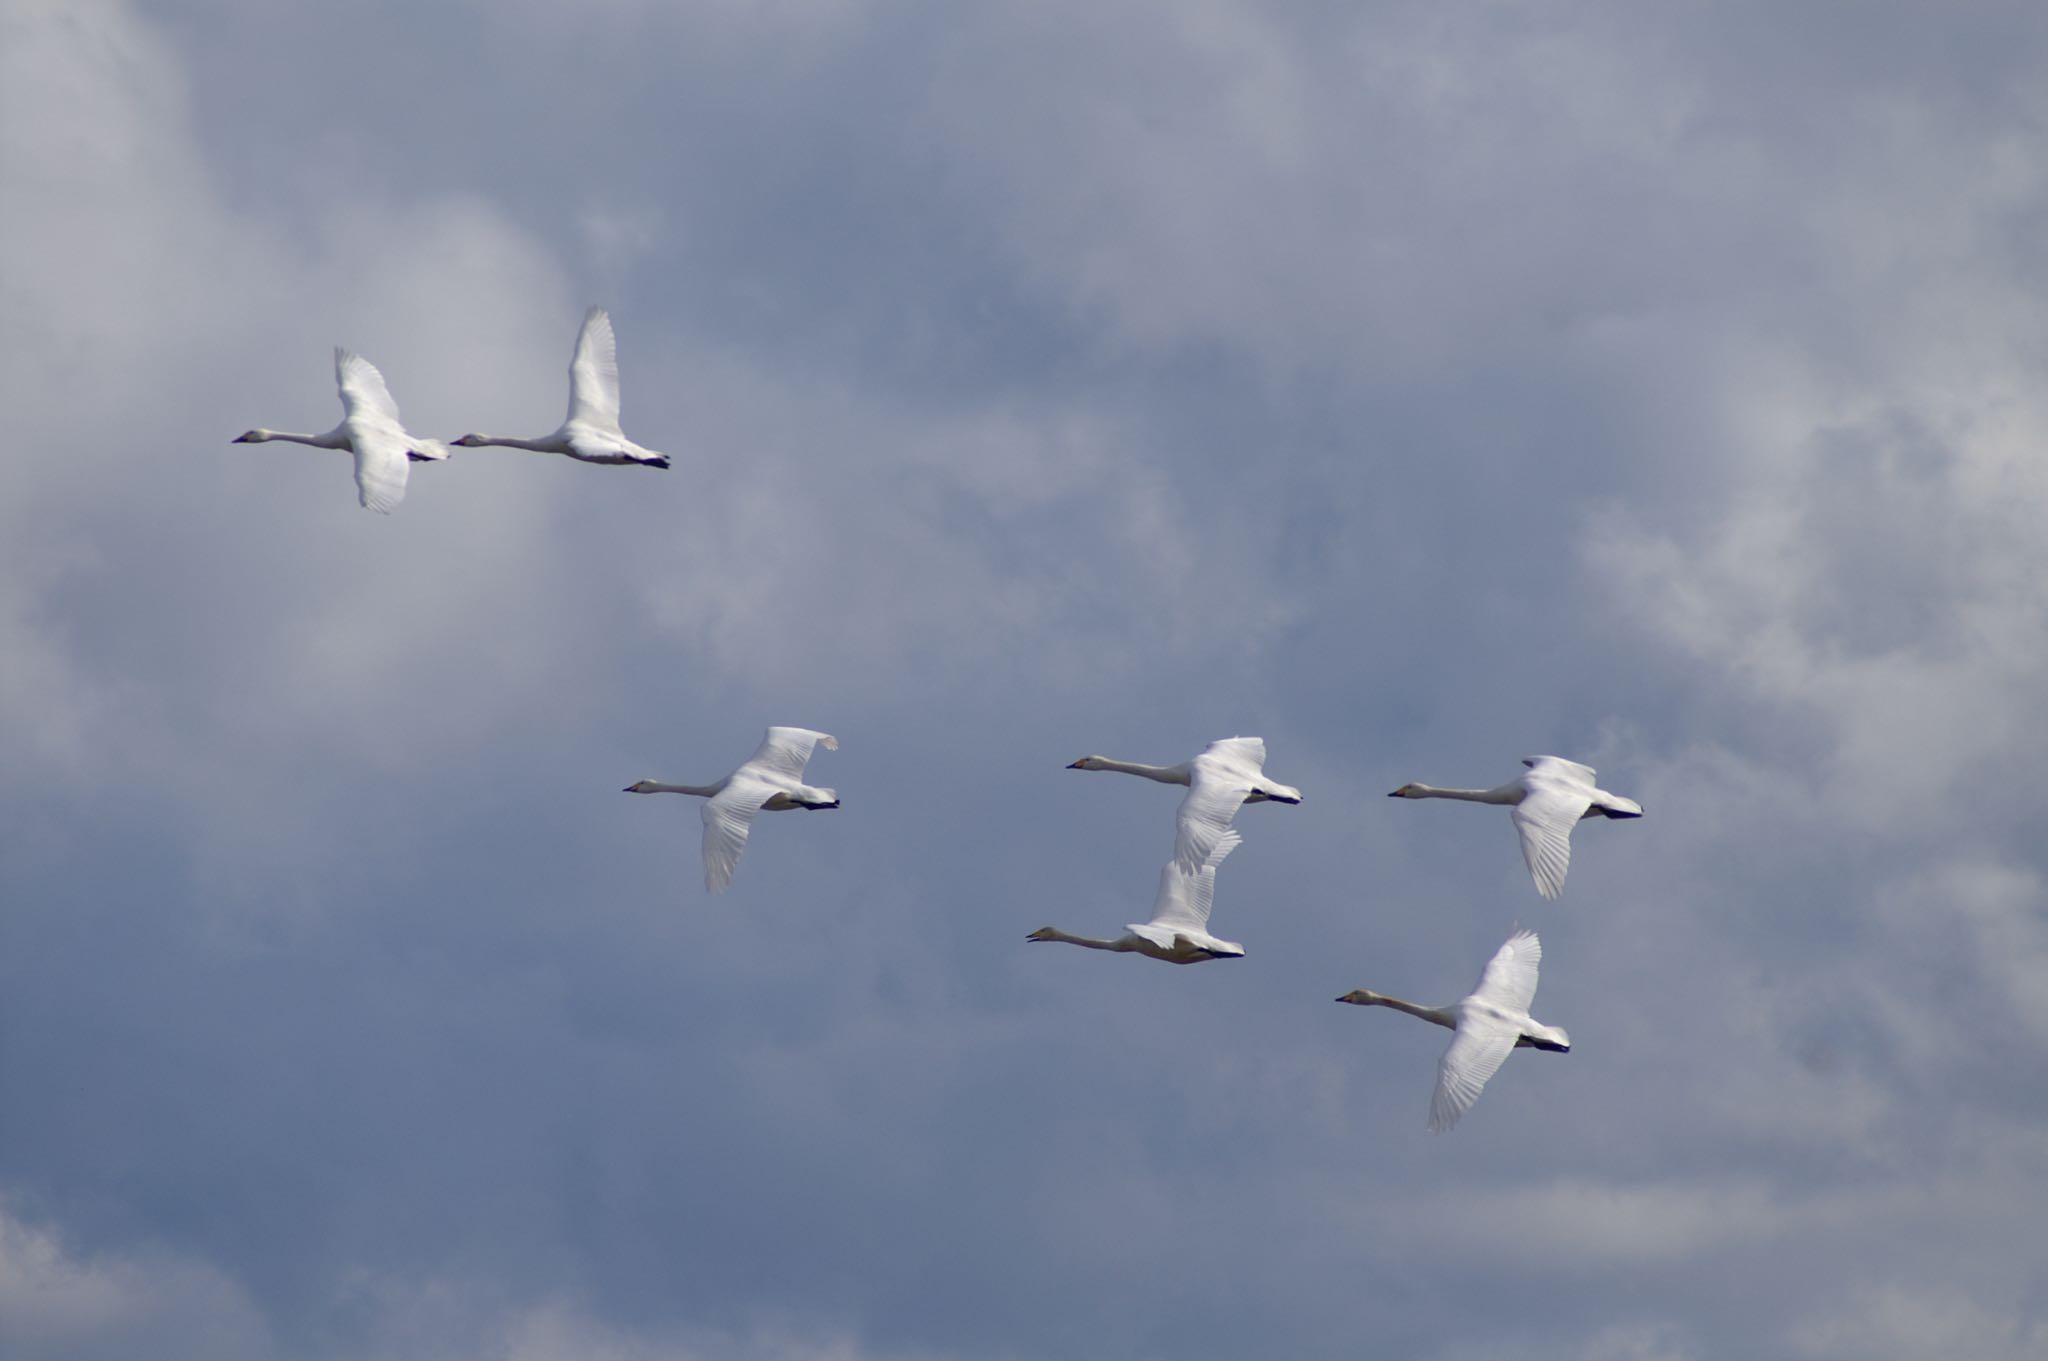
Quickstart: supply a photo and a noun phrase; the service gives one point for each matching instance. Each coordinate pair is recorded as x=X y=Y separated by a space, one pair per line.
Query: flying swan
x=1179 y=930
x=1547 y=803
x=772 y=778
x=369 y=428
x=1227 y=774
x=591 y=434
x=1489 y=1023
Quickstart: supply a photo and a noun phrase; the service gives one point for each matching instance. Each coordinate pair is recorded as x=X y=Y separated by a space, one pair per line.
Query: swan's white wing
x=1549 y=809
x=1250 y=750
x=1185 y=899
x=785 y=751
x=594 y=372
x=1509 y=979
x=1219 y=781
x=728 y=817
x=374 y=433
x=363 y=393
x=1476 y=1054
x=1558 y=766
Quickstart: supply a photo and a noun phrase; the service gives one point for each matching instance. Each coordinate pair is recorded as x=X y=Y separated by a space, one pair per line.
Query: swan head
x=1407 y=791
x=640 y=787
x=1044 y=933
x=469 y=441
x=257 y=436
x=1362 y=997
x=1086 y=763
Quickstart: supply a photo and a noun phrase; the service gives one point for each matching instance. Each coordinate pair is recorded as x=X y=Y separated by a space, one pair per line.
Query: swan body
x=772 y=778
x=1546 y=804
x=591 y=434
x=1179 y=930
x=370 y=429
x=1226 y=775
x=1489 y=1023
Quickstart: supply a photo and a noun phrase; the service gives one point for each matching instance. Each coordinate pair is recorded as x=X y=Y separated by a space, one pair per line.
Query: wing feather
x=1545 y=817
x=728 y=818
x=1509 y=979
x=1481 y=1045
x=1186 y=899
x=786 y=751
x=1219 y=781
x=594 y=372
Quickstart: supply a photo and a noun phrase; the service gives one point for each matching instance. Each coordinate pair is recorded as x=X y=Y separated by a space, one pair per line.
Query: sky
x=1418 y=386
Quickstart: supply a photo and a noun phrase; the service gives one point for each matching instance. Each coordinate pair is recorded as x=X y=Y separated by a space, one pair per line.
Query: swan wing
x=1561 y=768
x=1549 y=809
x=728 y=817
x=1185 y=899
x=1219 y=781
x=1475 y=1054
x=594 y=372
x=786 y=751
x=378 y=440
x=1509 y=979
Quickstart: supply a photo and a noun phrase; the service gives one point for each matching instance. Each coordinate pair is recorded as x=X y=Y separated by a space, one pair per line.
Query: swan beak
x=1073 y=765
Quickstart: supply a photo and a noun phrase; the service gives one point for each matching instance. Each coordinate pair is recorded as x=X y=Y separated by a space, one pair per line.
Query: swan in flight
x=1490 y=1022
x=1227 y=774
x=591 y=434
x=1547 y=803
x=772 y=778
x=369 y=428
x=1179 y=930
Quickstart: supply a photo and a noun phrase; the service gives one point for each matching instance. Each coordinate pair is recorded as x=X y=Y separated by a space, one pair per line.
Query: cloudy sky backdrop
x=1417 y=385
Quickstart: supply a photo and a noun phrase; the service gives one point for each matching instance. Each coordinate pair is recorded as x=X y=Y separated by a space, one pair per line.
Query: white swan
x=1491 y=1021
x=1227 y=774
x=591 y=434
x=1179 y=930
x=370 y=428
x=1548 y=802
x=772 y=778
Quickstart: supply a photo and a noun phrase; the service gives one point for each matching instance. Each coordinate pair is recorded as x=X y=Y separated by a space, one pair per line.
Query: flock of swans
x=385 y=451
x=1550 y=798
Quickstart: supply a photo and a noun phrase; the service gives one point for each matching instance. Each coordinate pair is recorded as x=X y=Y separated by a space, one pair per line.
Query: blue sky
x=1416 y=386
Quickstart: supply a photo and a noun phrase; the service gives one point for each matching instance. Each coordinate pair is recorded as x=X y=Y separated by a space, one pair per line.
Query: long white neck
x=1164 y=774
x=702 y=791
x=544 y=445
x=1507 y=793
x=1088 y=942
x=1434 y=1015
x=337 y=438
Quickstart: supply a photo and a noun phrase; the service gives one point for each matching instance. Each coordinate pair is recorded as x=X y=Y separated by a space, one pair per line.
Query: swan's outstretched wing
x=594 y=373
x=1509 y=979
x=379 y=441
x=1482 y=1043
x=728 y=817
x=785 y=751
x=1557 y=765
x=1219 y=781
x=1552 y=804
x=1185 y=899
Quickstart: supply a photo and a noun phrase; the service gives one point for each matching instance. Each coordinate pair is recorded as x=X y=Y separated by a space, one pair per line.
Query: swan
x=591 y=433
x=771 y=778
x=1547 y=803
x=1226 y=774
x=370 y=428
x=1179 y=930
x=1491 y=1021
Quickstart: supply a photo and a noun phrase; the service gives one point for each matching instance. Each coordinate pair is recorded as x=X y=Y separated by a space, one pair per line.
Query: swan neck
x=1434 y=1015
x=702 y=791
x=1507 y=793
x=536 y=446
x=1086 y=942
x=336 y=438
x=1163 y=774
